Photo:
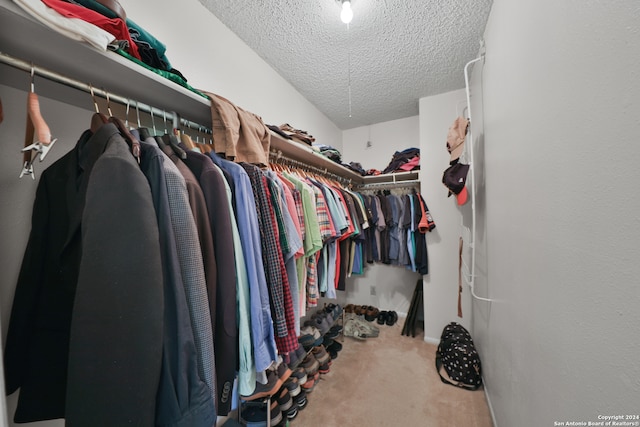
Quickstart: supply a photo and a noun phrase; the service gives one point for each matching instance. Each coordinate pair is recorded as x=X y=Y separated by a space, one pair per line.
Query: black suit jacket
x=115 y=346
x=37 y=343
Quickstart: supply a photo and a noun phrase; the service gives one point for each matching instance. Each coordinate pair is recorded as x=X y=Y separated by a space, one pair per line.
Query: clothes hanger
x=187 y=141
x=37 y=126
x=144 y=132
x=172 y=140
x=131 y=140
x=97 y=119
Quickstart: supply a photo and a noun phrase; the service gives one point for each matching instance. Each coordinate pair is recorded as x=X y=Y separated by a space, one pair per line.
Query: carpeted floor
x=390 y=381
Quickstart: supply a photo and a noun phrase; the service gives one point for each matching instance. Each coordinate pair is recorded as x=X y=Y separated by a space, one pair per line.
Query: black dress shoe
x=392 y=318
x=382 y=317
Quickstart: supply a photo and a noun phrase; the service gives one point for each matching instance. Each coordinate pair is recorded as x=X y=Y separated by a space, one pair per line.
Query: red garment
x=289 y=342
x=115 y=26
x=426 y=222
x=411 y=164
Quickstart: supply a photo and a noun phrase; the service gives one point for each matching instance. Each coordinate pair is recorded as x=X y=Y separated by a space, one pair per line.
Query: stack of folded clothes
x=403 y=161
x=356 y=167
x=328 y=151
x=297 y=134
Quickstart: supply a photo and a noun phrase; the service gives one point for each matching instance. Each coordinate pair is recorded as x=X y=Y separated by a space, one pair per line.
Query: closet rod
x=278 y=157
x=85 y=87
x=398 y=184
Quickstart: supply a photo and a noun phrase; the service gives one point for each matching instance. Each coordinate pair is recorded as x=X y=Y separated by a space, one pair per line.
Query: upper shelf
x=23 y=37
x=305 y=154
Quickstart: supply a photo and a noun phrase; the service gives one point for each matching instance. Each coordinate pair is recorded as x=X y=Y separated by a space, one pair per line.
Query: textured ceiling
x=393 y=52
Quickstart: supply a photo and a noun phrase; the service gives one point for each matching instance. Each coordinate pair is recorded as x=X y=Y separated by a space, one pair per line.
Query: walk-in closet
x=299 y=213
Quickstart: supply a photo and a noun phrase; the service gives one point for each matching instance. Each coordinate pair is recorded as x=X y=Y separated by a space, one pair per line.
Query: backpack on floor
x=457 y=354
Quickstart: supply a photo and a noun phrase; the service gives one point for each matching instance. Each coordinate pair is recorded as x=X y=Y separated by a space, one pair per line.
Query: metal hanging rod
x=279 y=157
x=412 y=183
x=86 y=87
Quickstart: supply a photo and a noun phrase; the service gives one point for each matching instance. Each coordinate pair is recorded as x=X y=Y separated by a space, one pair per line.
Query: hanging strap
x=36 y=126
x=460 y=278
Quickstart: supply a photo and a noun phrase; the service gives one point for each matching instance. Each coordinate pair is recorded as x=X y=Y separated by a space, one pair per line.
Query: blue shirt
x=264 y=345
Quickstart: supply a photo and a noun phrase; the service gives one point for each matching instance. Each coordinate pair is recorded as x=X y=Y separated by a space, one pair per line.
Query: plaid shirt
x=277 y=282
x=324 y=221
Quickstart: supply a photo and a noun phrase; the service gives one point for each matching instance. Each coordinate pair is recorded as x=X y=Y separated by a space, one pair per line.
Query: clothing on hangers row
x=154 y=271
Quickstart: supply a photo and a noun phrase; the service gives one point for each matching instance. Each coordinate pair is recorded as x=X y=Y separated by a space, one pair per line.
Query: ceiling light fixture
x=347 y=14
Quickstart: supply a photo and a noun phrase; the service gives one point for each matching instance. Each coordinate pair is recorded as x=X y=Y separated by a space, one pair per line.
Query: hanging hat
x=455 y=178
x=456 y=136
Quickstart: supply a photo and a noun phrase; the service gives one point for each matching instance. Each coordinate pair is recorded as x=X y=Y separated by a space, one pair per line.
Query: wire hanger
x=97 y=119
x=132 y=141
x=36 y=126
x=172 y=140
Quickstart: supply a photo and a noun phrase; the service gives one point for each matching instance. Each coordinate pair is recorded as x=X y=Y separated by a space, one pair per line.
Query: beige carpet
x=390 y=381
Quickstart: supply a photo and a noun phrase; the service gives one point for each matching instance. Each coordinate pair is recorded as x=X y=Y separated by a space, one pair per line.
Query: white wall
x=214 y=59
x=437 y=113
x=561 y=125
x=393 y=285
x=386 y=138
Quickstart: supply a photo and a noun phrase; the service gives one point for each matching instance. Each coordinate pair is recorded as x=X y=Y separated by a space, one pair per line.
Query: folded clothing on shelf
x=400 y=158
x=297 y=134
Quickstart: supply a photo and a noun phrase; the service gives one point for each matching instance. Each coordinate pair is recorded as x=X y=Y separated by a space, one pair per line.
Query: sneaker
x=301 y=400
x=293 y=386
x=320 y=322
x=292 y=412
x=324 y=369
x=334 y=331
x=310 y=364
x=332 y=353
x=392 y=318
x=311 y=383
x=354 y=330
x=335 y=346
x=254 y=414
x=309 y=337
x=382 y=317
x=264 y=390
x=283 y=372
x=371 y=313
x=300 y=374
x=285 y=401
x=320 y=354
x=368 y=329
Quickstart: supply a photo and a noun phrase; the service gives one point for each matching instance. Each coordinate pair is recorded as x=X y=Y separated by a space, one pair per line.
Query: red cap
x=462 y=196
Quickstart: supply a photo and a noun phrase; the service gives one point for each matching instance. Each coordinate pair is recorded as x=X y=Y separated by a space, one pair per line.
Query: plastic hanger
x=36 y=126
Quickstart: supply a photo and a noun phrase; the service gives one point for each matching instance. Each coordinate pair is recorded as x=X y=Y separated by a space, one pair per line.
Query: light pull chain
x=349 y=68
